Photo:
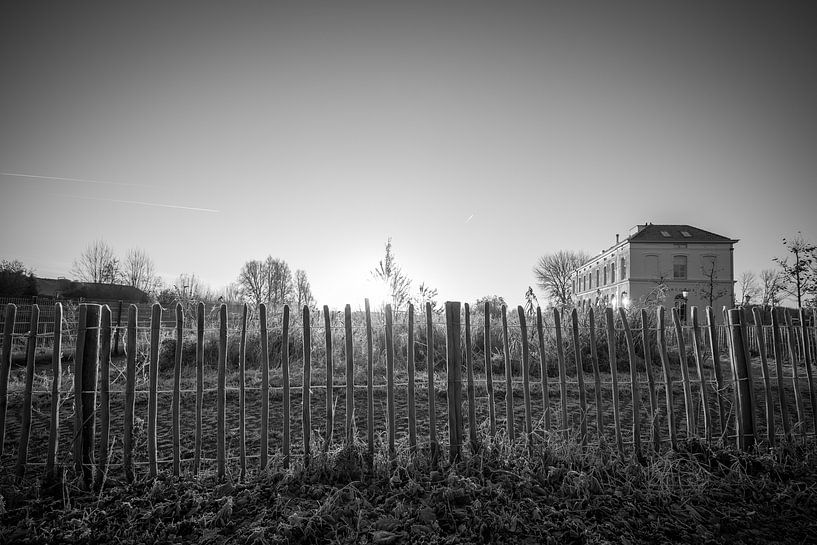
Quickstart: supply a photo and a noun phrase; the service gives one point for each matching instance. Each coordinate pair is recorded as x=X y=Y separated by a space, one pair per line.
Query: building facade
x=672 y=265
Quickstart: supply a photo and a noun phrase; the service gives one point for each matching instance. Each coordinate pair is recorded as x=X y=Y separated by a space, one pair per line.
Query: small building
x=62 y=288
x=672 y=265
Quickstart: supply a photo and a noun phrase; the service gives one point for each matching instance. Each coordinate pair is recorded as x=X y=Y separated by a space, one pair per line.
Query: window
x=666 y=234
x=612 y=272
x=605 y=275
x=686 y=234
x=590 y=281
x=709 y=266
x=623 y=269
x=651 y=265
x=598 y=278
x=679 y=267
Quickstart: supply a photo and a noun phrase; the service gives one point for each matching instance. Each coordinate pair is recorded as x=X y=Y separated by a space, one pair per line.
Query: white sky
x=477 y=137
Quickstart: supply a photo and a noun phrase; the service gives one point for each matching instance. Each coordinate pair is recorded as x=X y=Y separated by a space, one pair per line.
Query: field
x=548 y=489
x=560 y=494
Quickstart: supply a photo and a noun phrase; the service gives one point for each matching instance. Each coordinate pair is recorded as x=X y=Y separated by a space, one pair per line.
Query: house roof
x=69 y=289
x=676 y=233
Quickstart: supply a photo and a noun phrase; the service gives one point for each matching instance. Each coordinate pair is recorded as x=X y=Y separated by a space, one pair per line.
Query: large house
x=673 y=265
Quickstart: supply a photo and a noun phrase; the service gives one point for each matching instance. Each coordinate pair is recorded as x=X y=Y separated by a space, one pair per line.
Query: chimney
x=616 y=238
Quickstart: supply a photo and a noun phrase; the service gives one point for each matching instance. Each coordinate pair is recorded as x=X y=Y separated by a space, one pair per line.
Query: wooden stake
x=699 y=364
x=412 y=414
x=777 y=344
x=330 y=369
x=489 y=371
x=743 y=384
x=453 y=354
x=523 y=328
x=634 y=387
x=806 y=348
x=611 y=351
x=242 y=397
x=25 y=412
x=432 y=392
x=79 y=356
x=654 y=410
x=508 y=374
x=594 y=358
x=662 y=349
x=104 y=395
x=712 y=332
x=130 y=394
x=390 y=380
x=285 y=381
x=262 y=317
x=764 y=370
x=543 y=368
x=177 y=398
x=221 y=394
x=795 y=379
x=5 y=368
x=577 y=351
x=199 y=385
x=469 y=371
x=682 y=356
x=350 y=375
x=306 y=387
x=90 y=365
x=370 y=384
x=56 y=368
x=560 y=352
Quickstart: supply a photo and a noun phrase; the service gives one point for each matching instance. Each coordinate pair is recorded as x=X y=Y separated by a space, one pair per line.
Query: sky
x=477 y=136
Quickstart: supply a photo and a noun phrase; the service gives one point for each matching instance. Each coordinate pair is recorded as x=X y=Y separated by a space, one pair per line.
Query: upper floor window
x=598 y=278
x=651 y=265
x=709 y=266
x=679 y=267
x=612 y=272
x=605 y=275
x=623 y=269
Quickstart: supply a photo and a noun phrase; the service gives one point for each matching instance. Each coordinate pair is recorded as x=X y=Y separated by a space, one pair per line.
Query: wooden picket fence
x=784 y=344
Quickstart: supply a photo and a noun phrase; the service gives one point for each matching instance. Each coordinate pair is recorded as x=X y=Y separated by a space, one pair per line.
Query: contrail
x=470 y=217
x=60 y=178
x=141 y=203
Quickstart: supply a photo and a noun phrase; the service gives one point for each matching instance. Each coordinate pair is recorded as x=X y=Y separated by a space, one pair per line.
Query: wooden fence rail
x=752 y=400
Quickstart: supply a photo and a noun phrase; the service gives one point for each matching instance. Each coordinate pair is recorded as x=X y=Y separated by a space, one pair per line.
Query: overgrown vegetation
x=559 y=494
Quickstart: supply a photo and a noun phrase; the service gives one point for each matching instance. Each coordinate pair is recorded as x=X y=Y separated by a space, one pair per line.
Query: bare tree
x=303 y=291
x=771 y=285
x=139 y=271
x=280 y=287
x=554 y=274
x=97 y=263
x=800 y=277
x=748 y=287
x=711 y=289
x=253 y=281
x=397 y=283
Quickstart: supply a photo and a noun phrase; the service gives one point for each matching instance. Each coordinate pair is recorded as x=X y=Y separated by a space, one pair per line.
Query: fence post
x=104 y=396
x=523 y=327
x=489 y=371
x=506 y=349
x=25 y=424
x=199 y=385
x=662 y=349
x=87 y=392
x=410 y=368
x=221 y=395
x=350 y=375
x=740 y=365
x=262 y=317
x=634 y=386
x=577 y=354
x=54 y=432
x=155 y=325
x=807 y=359
x=5 y=367
x=130 y=394
x=543 y=369
x=594 y=358
x=306 y=385
x=777 y=347
x=560 y=353
x=285 y=380
x=454 y=355
x=645 y=339
x=764 y=369
x=390 y=379
x=116 y=335
x=330 y=369
x=699 y=363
